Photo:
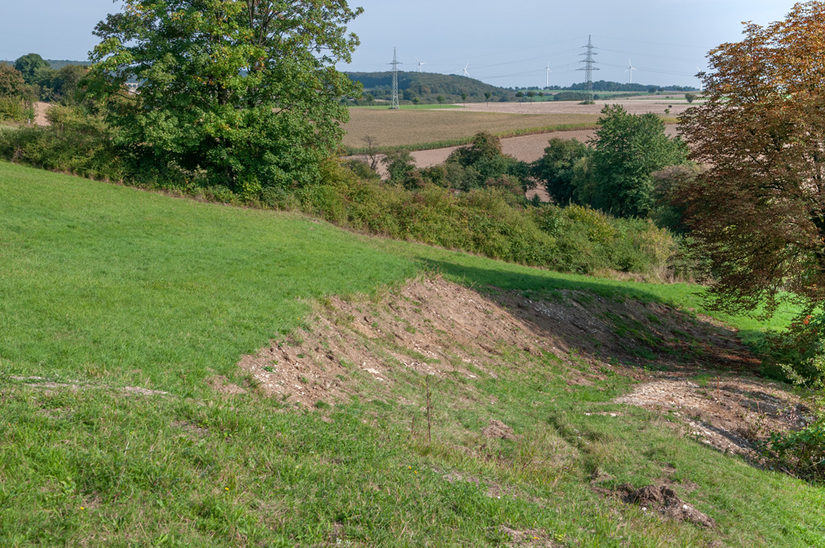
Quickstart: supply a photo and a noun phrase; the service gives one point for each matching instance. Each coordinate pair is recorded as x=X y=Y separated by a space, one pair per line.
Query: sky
x=505 y=43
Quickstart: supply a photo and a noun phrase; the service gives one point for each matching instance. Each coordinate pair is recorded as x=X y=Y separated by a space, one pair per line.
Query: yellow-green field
x=396 y=128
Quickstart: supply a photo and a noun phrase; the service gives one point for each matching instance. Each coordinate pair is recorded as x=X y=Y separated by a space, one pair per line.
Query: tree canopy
x=759 y=208
x=32 y=67
x=556 y=169
x=627 y=149
x=239 y=93
x=12 y=83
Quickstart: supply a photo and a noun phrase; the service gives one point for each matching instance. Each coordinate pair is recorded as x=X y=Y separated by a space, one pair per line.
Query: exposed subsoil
x=729 y=413
x=695 y=369
x=663 y=499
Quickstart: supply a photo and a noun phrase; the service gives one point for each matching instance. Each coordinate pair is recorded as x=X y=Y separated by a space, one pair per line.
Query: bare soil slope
x=368 y=346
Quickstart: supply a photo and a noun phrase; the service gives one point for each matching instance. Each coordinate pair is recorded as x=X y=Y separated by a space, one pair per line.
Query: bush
x=589 y=241
x=800 y=453
x=16 y=109
x=798 y=353
x=75 y=142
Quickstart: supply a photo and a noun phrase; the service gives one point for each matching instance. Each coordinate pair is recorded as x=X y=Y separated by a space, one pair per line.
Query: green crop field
x=118 y=307
x=430 y=128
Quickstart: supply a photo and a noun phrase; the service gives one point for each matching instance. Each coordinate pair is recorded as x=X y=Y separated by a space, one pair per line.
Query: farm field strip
x=409 y=128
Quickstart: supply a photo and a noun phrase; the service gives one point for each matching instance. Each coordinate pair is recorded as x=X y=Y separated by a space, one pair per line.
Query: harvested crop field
x=657 y=104
x=390 y=128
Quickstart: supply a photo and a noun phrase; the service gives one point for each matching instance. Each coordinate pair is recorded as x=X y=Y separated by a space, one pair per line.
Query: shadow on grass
x=612 y=321
x=551 y=281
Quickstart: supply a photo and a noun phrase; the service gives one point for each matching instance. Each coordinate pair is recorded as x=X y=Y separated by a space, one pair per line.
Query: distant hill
x=427 y=87
x=58 y=63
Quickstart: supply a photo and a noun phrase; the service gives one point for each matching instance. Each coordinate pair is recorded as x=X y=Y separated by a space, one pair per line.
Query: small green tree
x=12 y=83
x=244 y=92
x=401 y=169
x=65 y=83
x=15 y=95
x=556 y=168
x=32 y=67
x=628 y=148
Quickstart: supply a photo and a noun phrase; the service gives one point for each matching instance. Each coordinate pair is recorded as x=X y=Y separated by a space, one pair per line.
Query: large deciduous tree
x=627 y=149
x=759 y=208
x=243 y=92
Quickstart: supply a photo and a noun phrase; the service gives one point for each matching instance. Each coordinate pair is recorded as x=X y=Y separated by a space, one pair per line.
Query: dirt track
x=40 y=109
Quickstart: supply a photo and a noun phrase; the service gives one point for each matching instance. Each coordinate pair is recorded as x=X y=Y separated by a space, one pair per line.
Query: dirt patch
x=41 y=382
x=428 y=327
x=730 y=414
x=40 y=110
x=223 y=385
x=664 y=500
x=498 y=430
x=629 y=335
x=527 y=537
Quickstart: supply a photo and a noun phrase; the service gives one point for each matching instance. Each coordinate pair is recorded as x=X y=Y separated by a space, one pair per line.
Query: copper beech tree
x=759 y=206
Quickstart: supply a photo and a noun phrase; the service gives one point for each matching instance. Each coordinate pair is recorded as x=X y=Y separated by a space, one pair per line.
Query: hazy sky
x=506 y=43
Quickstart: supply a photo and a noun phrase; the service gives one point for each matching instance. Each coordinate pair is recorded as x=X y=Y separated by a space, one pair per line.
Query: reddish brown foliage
x=759 y=208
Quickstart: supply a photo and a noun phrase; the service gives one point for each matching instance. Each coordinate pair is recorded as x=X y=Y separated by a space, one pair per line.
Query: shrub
x=798 y=353
x=800 y=453
x=75 y=142
x=589 y=241
x=16 y=109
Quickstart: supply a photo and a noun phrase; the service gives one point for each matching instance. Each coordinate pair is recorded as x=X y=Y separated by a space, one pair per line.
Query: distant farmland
x=421 y=129
x=444 y=127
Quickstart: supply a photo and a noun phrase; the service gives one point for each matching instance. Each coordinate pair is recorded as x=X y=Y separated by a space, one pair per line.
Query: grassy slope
x=111 y=287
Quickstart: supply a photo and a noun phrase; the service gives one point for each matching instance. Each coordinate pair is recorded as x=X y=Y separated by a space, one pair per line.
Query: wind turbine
x=420 y=63
x=630 y=68
x=547 y=85
x=467 y=69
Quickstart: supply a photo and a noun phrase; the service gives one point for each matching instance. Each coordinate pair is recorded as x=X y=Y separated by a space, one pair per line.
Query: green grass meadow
x=104 y=287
